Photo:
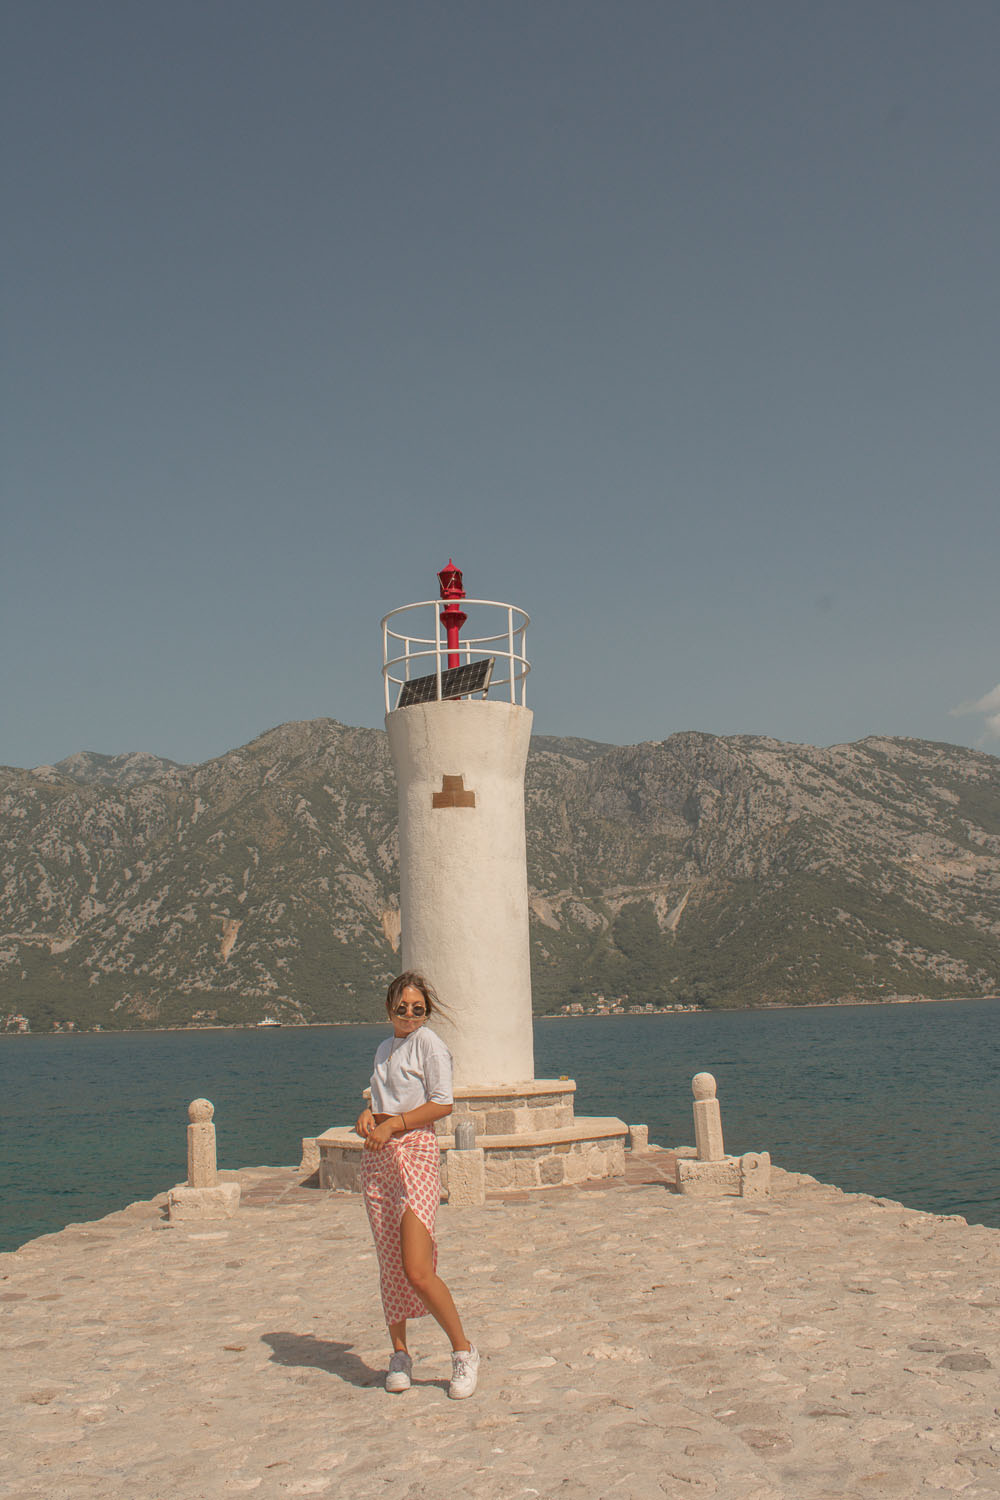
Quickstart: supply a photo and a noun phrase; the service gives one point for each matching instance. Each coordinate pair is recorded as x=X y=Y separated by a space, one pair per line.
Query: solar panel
x=456 y=682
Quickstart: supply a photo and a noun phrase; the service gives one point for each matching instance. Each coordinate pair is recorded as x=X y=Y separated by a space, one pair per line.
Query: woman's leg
x=418 y=1264
x=397 y=1334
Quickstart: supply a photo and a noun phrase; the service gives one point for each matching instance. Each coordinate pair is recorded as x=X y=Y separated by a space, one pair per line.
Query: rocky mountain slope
x=738 y=871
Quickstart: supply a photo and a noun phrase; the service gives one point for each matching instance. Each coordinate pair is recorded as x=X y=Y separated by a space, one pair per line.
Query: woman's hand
x=377 y=1137
x=365 y=1123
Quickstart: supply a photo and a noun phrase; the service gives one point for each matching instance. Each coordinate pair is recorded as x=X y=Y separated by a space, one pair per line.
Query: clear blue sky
x=676 y=324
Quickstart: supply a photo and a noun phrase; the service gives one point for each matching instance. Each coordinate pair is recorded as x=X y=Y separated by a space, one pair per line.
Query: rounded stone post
x=202 y=1169
x=707 y=1119
x=203 y=1196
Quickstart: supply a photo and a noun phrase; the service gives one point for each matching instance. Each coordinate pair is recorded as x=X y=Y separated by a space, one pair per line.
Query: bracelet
x=403 y=1118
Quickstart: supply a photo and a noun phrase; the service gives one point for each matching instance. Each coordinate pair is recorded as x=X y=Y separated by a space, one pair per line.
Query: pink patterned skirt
x=405 y=1174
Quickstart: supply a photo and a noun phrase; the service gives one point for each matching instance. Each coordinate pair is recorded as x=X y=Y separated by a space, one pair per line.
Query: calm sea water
x=901 y=1101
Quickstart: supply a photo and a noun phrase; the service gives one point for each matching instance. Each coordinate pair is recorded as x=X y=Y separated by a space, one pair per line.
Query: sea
x=899 y=1101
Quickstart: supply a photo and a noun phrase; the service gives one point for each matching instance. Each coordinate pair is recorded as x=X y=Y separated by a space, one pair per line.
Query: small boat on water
x=269 y=1021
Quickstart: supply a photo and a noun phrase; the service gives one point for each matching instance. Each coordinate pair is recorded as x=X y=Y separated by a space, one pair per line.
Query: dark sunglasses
x=410 y=1010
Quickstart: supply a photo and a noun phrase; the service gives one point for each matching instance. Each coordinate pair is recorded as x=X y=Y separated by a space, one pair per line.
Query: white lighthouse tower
x=459 y=755
x=459 y=730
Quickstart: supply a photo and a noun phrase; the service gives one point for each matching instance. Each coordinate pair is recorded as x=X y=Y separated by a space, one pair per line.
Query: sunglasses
x=410 y=1010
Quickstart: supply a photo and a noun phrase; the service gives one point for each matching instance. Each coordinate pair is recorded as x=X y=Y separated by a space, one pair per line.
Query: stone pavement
x=636 y=1343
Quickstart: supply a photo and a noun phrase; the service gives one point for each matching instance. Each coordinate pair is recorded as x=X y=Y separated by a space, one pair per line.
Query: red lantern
x=452 y=618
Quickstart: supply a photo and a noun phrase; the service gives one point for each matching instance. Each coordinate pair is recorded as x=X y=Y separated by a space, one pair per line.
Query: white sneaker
x=398 y=1378
x=464 y=1373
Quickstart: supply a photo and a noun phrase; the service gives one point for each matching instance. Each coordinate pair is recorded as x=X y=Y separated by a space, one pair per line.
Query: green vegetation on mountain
x=699 y=870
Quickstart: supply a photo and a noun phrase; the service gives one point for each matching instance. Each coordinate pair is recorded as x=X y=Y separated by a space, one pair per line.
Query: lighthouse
x=454 y=676
x=459 y=730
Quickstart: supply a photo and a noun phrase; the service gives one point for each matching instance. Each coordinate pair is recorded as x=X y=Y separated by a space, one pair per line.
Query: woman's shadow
x=306 y=1351
x=309 y=1352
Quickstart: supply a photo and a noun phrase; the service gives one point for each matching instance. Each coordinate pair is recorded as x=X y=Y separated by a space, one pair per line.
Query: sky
x=677 y=325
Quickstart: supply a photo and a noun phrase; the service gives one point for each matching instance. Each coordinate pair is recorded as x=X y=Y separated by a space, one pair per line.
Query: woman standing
x=401 y=1181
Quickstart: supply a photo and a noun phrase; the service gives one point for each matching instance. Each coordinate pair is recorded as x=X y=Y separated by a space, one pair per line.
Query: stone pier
x=637 y=1343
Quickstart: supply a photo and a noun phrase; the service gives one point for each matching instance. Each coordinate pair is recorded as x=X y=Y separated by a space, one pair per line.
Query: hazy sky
x=677 y=324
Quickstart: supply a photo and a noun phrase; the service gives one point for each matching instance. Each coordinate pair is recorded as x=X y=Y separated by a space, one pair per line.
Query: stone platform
x=638 y=1344
x=528 y=1132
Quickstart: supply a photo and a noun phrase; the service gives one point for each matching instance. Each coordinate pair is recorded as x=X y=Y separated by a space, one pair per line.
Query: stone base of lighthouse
x=528 y=1133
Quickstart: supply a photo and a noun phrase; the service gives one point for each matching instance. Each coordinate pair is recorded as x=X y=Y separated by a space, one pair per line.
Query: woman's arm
x=424 y=1114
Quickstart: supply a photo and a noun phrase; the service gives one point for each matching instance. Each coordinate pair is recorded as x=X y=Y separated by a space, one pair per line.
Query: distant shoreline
x=541 y=1016
x=767 y=1005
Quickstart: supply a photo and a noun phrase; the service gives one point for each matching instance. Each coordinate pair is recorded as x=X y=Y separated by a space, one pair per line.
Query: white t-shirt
x=410 y=1071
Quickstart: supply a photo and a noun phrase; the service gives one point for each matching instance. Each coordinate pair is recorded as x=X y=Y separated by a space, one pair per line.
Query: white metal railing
x=408 y=651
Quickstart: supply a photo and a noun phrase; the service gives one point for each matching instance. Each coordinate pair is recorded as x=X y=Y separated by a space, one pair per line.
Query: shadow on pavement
x=307 y=1351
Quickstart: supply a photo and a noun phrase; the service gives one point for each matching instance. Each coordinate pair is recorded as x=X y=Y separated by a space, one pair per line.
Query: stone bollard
x=466 y=1168
x=202 y=1170
x=707 y=1119
x=203 y=1196
x=712 y=1174
x=638 y=1138
x=467 y=1178
x=755 y=1174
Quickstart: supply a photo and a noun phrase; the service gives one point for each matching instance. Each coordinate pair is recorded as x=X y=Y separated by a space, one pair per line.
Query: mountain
x=91 y=769
x=704 y=870
x=746 y=871
x=261 y=881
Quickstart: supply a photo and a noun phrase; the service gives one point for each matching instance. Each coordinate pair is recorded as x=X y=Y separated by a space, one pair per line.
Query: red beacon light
x=409 y=639
x=452 y=618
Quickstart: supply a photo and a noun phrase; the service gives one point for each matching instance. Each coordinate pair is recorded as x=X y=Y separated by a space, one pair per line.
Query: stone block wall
x=510 y=1167
x=340 y=1167
x=528 y=1134
x=563 y=1162
x=506 y=1114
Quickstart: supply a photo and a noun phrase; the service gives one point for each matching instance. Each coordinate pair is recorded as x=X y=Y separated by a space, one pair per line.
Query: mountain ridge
x=697 y=869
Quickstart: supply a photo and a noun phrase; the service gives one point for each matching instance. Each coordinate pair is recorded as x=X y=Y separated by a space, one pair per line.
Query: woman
x=400 y=1178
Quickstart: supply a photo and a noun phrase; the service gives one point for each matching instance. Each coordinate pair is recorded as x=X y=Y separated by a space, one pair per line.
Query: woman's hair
x=411 y=981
